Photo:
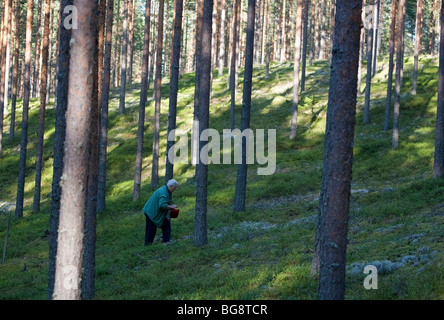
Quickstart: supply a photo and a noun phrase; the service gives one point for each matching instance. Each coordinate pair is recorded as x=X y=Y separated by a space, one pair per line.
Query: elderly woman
x=156 y=211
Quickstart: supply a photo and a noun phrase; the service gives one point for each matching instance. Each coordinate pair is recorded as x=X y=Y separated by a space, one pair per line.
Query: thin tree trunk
x=157 y=105
x=63 y=63
x=368 y=77
x=89 y=256
x=297 y=58
x=305 y=42
x=438 y=164
x=312 y=33
x=43 y=88
x=331 y=235
x=222 y=39
x=399 y=66
x=418 y=37
x=241 y=181
x=234 y=65
x=174 y=84
x=78 y=118
x=129 y=78
x=5 y=39
x=26 y=96
x=116 y=46
x=124 y=58
x=283 y=31
x=267 y=41
x=204 y=64
x=375 y=37
x=37 y=50
x=142 y=102
x=432 y=28
x=392 y=37
x=15 y=72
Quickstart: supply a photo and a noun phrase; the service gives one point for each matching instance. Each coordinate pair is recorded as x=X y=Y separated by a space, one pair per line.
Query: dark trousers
x=151 y=228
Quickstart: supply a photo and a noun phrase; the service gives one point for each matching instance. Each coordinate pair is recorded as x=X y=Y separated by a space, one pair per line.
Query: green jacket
x=156 y=206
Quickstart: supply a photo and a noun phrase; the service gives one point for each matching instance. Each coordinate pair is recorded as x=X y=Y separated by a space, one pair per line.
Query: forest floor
x=396 y=215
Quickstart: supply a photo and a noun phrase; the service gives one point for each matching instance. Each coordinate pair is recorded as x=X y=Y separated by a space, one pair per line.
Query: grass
x=397 y=208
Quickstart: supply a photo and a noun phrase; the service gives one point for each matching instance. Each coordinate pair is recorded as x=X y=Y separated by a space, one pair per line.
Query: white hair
x=172 y=183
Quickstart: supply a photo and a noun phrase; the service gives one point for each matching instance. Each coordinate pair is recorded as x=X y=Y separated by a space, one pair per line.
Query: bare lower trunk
x=74 y=179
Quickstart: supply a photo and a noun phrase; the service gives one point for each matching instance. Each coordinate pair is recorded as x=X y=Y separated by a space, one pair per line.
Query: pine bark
x=174 y=83
x=438 y=164
x=331 y=236
x=222 y=39
x=25 y=118
x=297 y=58
x=43 y=89
x=204 y=64
x=142 y=101
x=15 y=72
x=234 y=61
x=124 y=57
x=418 y=38
x=392 y=37
x=306 y=4
x=63 y=65
x=368 y=77
x=241 y=182
x=399 y=66
x=5 y=39
x=157 y=105
x=74 y=179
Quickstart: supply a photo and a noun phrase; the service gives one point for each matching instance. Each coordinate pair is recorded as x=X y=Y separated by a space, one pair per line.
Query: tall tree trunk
x=392 y=37
x=5 y=39
x=368 y=77
x=103 y=135
x=142 y=101
x=399 y=66
x=89 y=257
x=297 y=58
x=158 y=98
x=59 y=140
x=204 y=64
x=438 y=165
x=74 y=183
x=124 y=57
x=15 y=71
x=241 y=182
x=174 y=84
x=26 y=96
x=234 y=65
x=222 y=39
x=116 y=46
x=361 y=50
x=37 y=50
x=267 y=41
x=331 y=235
x=283 y=31
x=432 y=28
x=312 y=33
x=131 y=21
x=306 y=4
x=375 y=36
x=418 y=37
x=43 y=88
x=198 y=50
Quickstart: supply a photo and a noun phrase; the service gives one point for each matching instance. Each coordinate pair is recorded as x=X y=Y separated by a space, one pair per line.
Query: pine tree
x=74 y=180
x=142 y=101
x=43 y=88
x=331 y=234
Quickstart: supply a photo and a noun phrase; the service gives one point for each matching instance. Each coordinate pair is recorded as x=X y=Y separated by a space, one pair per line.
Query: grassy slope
x=397 y=210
